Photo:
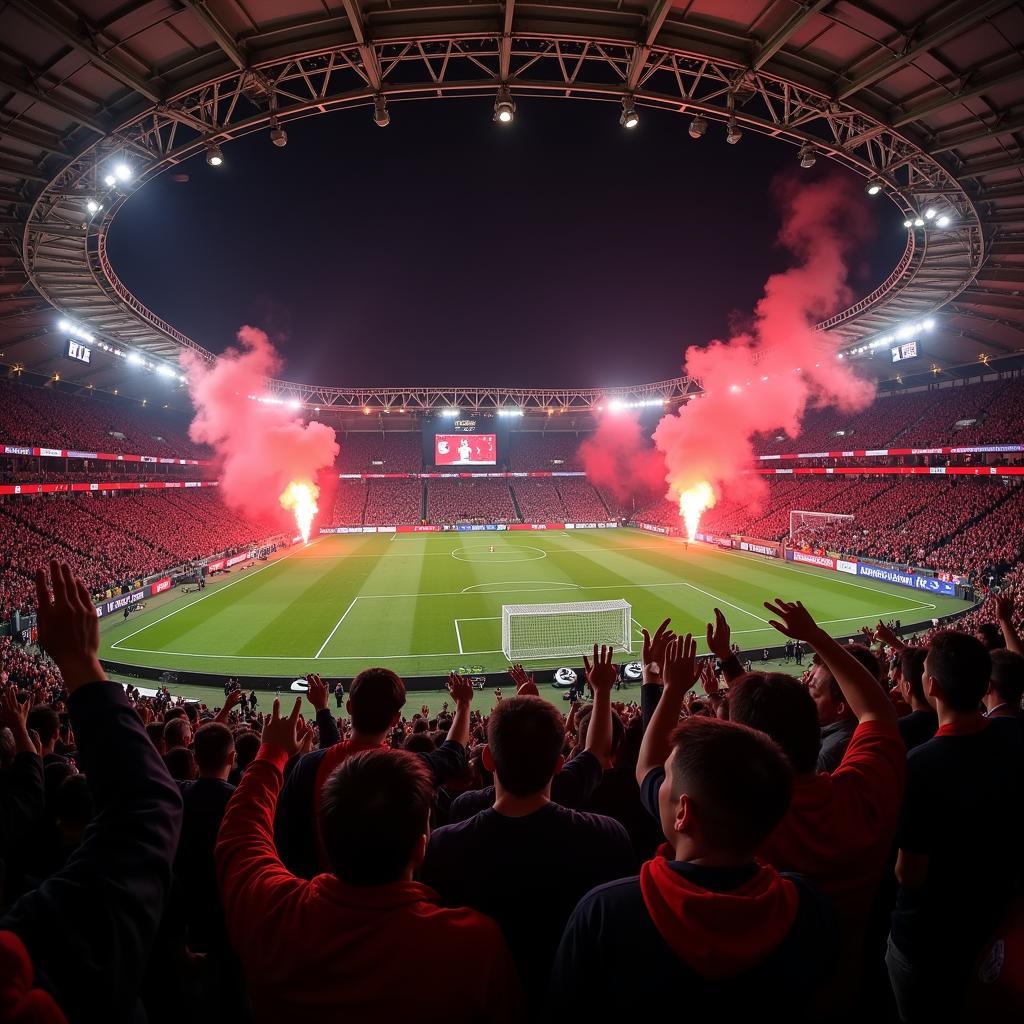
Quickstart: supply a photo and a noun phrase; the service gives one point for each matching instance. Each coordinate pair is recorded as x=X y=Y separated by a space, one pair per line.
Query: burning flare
x=692 y=504
x=300 y=496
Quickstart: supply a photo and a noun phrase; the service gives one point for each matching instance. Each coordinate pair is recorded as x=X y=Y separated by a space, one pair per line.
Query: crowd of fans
x=112 y=542
x=454 y=501
x=988 y=413
x=840 y=847
x=104 y=423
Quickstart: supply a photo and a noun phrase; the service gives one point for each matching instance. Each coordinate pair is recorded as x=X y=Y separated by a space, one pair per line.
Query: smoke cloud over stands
x=261 y=447
x=619 y=458
x=765 y=378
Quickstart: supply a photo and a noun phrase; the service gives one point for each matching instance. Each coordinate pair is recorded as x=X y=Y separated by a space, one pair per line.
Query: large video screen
x=906 y=351
x=465 y=449
x=464 y=440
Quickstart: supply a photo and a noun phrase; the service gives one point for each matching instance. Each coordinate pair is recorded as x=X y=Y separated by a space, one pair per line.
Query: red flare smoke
x=621 y=459
x=261 y=447
x=765 y=379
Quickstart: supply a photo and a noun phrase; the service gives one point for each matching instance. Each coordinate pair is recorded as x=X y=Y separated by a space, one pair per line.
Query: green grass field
x=424 y=604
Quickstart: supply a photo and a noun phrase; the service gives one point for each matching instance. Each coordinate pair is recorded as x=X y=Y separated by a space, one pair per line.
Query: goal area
x=565 y=630
x=800 y=520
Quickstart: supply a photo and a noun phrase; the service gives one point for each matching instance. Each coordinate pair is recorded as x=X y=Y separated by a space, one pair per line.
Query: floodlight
x=733 y=134
x=629 y=118
x=808 y=156
x=698 y=126
x=874 y=186
x=123 y=172
x=214 y=156
x=278 y=136
x=381 y=117
x=504 y=108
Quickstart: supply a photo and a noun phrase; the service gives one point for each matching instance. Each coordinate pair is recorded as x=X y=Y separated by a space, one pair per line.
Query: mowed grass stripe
x=407 y=602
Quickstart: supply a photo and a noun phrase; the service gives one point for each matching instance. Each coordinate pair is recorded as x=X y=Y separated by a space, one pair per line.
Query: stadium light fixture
x=874 y=186
x=110 y=181
x=164 y=370
x=918 y=222
x=93 y=207
x=733 y=134
x=928 y=324
x=943 y=221
x=908 y=223
x=134 y=359
x=698 y=126
x=123 y=172
x=504 y=108
x=629 y=117
x=294 y=403
x=214 y=156
x=278 y=136
x=929 y=214
x=381 y=117
x=808 y=156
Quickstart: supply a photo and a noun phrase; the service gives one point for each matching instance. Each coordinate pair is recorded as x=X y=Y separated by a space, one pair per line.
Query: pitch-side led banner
x=761 y=547
x=809 y=558
x=161 y=585
x=874 y=453
x=215 y=566
x=895 y=470
x=846 y=565
x=906 y=579
x=64 y=453
x=546 y=474
x=152 y=485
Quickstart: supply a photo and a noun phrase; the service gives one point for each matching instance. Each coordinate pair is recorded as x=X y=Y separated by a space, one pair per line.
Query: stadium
x=746 y=280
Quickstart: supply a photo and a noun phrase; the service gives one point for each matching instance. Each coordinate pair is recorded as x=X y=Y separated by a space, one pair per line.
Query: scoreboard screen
x=79 y=352
x=465 y=449
x=905 y=351
x=463 y=440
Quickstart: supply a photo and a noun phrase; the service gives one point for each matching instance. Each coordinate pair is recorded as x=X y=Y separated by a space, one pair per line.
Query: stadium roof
x=924 y=96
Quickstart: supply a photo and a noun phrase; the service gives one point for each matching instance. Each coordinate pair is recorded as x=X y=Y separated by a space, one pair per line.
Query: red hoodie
x=324 y=950
x=20 y=1001
x=719 y=934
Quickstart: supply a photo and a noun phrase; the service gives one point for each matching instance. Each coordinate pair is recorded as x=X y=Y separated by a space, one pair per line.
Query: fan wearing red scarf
x=704 y=927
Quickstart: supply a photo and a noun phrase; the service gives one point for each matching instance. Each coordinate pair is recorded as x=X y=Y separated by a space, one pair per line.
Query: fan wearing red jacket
x=362 y=941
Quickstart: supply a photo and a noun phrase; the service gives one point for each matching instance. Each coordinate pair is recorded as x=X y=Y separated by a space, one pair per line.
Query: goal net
x=564 y=630
x=801 y=522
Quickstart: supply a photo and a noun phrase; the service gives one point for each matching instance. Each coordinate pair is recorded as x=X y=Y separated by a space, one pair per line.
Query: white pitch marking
x=219 y=590
x=506 y=583
x=458 y=637
x=336 y=625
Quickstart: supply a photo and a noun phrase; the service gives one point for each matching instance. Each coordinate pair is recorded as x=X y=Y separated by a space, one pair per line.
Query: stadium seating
x=378 y=452
x=453 y=501
x=55 y=419
x=113 y=541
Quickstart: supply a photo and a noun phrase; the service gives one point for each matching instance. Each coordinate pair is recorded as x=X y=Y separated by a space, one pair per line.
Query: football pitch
x=425 y=604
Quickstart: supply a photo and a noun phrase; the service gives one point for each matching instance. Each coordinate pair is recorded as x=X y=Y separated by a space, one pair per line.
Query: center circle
x=484 y=555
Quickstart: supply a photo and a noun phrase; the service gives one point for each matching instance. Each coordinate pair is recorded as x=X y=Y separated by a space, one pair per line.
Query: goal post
x=799 y=519
x=565 y=630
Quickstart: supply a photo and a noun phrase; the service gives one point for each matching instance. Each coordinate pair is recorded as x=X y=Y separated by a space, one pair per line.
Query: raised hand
x=304 y=733
x=460 y=688
x=796 y=622
x=654 y=651
x=601 y=672
x=718 y=636
x=283 y=732
x=316 y=692
x=14 y=715
x=1004 y=608
x=708 y=679
x=680 y=664
x=69 y=630
x=525 y=684
x=883 y=634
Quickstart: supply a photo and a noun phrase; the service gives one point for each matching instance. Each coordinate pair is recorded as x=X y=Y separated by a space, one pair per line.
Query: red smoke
x=261 y=447
x=765 y=379
x=620 y=458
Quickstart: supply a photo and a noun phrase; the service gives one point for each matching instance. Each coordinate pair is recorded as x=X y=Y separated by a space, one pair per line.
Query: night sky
x=446 y=250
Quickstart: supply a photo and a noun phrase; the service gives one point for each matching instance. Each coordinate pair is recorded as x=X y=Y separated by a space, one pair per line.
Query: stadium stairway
x=515 y=504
